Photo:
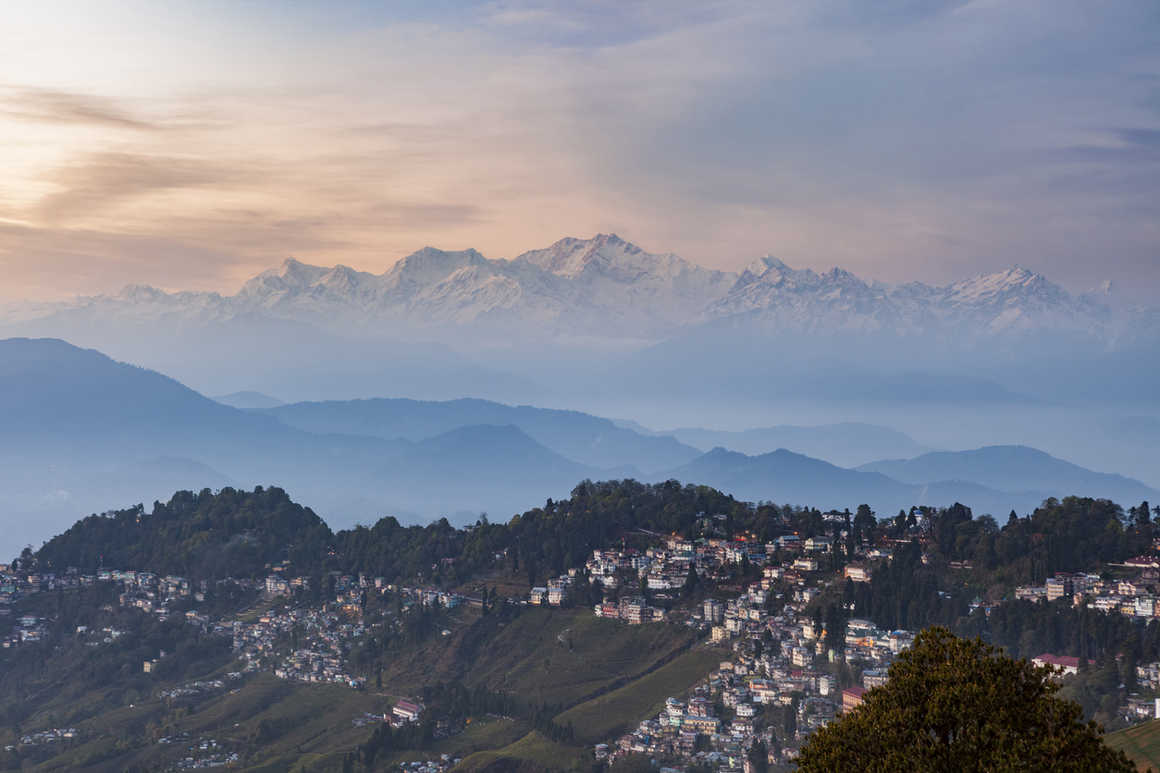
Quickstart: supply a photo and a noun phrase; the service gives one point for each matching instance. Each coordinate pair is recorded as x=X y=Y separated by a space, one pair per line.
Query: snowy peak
x=297 y=287
x=768 y=268
x=295 y=273
x=291 y=276
x=138 y=293
x=341 y=279
x=1013 y=284
x=802 y=299
x=608 y=258
x=770 y=272
x=605 y=253
x=429 y=265
x=761 y=265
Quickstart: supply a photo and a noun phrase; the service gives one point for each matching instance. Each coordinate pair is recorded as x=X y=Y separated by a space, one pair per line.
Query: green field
x=552 y=656
x=562 y=656
x=293 y=725
x=1141 y=743
x=482 y=734
x=621 y=709
x=534 y=751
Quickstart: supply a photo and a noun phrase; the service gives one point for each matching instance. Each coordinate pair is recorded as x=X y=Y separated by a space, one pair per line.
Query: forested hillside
x=203 y=535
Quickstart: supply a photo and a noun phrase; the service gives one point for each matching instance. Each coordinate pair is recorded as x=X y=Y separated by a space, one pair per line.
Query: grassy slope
x=597 y=719
x=553 y=656
x=1141 y=743
x=533 y=748
x=562 y=656
x=600 y=717
x=306 y=722
x=567 y=658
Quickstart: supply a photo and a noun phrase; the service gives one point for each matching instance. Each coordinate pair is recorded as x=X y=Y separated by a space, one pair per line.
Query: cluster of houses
x=323 y=637
x=666 y=567
x=14 y=583
x=43 y=737
x=148 y=592
x=325 y=634
x=633 y=610
x=350 y=591
x=442 y=765
x=13 y=586
x=27 y=629
x=780 y=662
x=868 y=645
x=1137 y=594
x=143 y=590
x=200 y=687
x=205 y=754
x=555 y=593
x=1134 y=596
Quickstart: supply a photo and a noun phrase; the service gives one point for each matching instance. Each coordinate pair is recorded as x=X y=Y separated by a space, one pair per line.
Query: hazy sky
x=191 y=144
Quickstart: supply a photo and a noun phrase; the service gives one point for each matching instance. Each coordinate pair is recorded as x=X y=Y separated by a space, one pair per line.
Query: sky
x=190 y=144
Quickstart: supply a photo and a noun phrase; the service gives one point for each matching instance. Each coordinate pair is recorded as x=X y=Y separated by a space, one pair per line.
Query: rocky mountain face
x=607 y=287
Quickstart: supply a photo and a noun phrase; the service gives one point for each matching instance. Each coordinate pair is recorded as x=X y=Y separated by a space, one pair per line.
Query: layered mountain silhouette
x=1013 y=468
x=249 y=400
x=84 y=432
x=847 y=443
x=786 y=477
x=587 y=439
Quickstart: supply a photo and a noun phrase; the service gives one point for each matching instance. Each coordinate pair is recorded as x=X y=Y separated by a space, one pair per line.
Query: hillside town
x=781 y=666
x=785 y=673
x=780 y=660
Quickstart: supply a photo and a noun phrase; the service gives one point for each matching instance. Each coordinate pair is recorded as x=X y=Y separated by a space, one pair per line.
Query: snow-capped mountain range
x=1006 y=302
x=607 y=287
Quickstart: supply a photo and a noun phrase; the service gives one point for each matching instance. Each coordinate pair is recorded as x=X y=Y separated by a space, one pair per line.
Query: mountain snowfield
x=607 y=287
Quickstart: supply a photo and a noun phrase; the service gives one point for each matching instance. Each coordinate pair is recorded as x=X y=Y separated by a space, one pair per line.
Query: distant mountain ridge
x=249 y=400
x=578 y=436
x=607 y=286
x=83 y=432
x=1014 y=468
x=786 y=477
x=847 y=444
x=992 y=480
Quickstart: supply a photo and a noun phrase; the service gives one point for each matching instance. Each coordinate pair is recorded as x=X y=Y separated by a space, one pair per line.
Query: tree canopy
x=956 y=704
x=201 y=535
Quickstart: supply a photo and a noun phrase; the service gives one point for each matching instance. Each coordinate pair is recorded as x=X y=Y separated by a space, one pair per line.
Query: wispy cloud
x=61 y=107
x=99 y=182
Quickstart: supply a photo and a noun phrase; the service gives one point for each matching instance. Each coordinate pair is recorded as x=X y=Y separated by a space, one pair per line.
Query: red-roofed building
x=407 y=711
x=852 y=697
x=1068 y=664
